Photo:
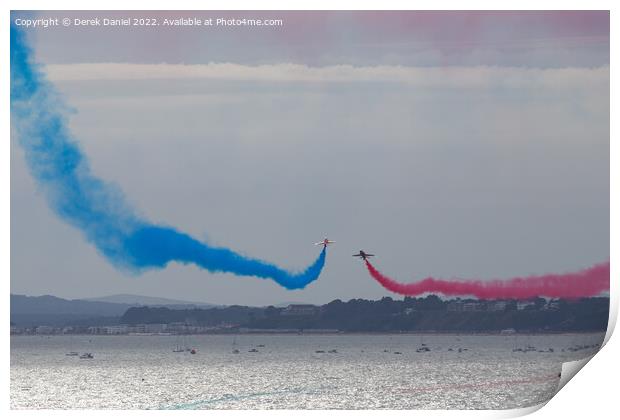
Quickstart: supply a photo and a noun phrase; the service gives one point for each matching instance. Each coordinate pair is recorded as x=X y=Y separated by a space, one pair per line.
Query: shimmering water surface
x=291 y=371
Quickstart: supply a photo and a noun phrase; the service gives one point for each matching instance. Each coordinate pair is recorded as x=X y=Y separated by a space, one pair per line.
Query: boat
x=72 y=344
x=188 y=346
x=234 y=345
x=181 y=345
x=252 y=351
x=87 y=356
x=193 y=351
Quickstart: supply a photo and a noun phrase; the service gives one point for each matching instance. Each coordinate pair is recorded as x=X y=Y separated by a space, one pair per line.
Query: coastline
x=343 y=333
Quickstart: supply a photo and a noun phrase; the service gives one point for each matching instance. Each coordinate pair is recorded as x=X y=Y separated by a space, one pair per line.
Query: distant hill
x=285 y=304
x=52 y=310
x=52 y=305
x=55 y=311
x=429 y=314
x=137 y=300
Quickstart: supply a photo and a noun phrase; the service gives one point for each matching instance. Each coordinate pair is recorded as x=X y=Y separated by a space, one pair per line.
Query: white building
x=116 y=329
x=300 y=310
x=473 y=307
x=44 y=329
x=552 y=305
x=496 y=306
x=523 y=305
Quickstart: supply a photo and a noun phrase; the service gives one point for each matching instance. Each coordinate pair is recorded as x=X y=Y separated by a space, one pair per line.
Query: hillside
x=387 y=315
x=55 y=311
x=137 y=300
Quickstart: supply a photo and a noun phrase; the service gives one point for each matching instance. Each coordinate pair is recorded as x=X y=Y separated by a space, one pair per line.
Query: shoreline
x=378 y=333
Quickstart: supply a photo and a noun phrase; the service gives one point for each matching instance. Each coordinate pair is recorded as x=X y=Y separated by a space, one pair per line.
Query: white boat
x=180 y=348
x=234 y=345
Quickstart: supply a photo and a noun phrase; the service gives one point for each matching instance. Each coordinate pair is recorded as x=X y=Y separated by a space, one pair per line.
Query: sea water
x=288 y=371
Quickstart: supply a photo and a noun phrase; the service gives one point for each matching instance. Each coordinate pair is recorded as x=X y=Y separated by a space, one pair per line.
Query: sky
x=451 y=144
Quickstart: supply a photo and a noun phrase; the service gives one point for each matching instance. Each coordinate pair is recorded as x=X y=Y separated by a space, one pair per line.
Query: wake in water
x=586 y=283
x=98 y=209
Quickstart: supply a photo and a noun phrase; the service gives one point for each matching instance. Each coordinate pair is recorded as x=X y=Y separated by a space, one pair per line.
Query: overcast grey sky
x=478 y=156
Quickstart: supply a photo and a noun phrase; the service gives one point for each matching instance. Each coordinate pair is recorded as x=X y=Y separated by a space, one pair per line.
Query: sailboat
x=72 y=353
x=178 y=348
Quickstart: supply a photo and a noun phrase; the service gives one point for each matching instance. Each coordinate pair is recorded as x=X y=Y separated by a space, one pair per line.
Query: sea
x=290 y=371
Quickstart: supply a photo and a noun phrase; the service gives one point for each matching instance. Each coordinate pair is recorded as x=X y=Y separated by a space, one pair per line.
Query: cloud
x=473 y=177
x=423 y=77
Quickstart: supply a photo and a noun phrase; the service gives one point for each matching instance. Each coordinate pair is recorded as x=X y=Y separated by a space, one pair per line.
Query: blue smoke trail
x=97 y=208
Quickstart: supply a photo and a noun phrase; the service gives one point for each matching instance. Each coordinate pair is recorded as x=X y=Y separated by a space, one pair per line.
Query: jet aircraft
x=363 y=255
x=325 y=242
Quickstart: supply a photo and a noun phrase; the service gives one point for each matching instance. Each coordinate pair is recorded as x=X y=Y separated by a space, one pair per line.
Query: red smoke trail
x=585 y=283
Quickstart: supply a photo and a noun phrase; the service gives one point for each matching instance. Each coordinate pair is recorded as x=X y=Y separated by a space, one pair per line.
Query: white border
x=592 y=394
